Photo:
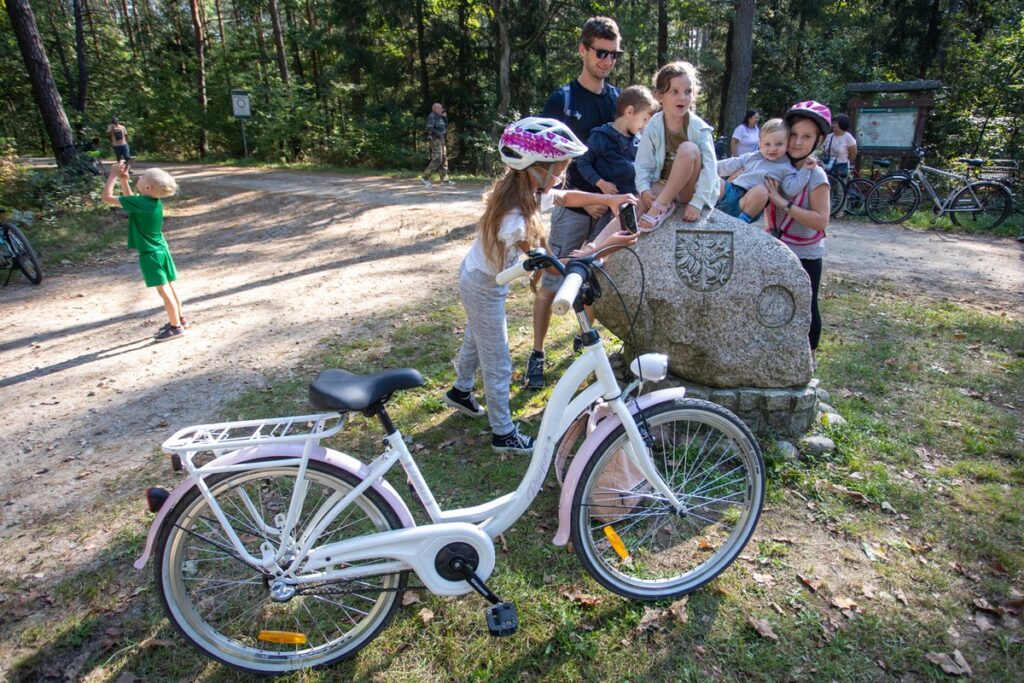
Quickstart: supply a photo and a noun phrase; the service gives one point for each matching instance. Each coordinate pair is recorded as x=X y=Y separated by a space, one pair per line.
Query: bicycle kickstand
x=502 y=617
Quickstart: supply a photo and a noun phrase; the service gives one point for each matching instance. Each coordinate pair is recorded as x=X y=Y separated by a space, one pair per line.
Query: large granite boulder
x=728 y=303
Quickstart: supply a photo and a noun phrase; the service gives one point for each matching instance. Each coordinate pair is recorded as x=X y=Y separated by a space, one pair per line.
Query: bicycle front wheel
x=223 y=606
x=981 y=206
x=856 y=196
x=627 y=535
x=25 y=256
x=893 y=200
x=837 y=190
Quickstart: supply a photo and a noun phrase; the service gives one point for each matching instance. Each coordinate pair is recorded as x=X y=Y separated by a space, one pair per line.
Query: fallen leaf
x=986 y=606
x=410 y=598
x=984 y=622
x=844 y=603
x=678 y=610
x=762 y=627
x=763 y=579
x=810 y=582
x=580 y=597
x=900 y=596
x=650 y=619
x=1014 y=607
x=426 y=616
x=955 y=664
x=868 y=590
x=960 y=569
x=703 y=544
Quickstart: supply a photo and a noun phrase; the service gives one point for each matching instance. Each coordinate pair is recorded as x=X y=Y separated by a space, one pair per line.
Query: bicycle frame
x=410 y=547
x=944 y=206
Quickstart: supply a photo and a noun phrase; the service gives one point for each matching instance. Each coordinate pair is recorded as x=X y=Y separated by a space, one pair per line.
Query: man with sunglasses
x=583 y=104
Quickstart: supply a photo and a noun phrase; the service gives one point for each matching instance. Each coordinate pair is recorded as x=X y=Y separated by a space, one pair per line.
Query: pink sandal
x=654 y=222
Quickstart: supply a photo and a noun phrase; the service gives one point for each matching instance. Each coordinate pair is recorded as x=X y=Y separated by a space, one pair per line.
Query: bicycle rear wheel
x=837 y=189
x=856 y=196
x=25 y=256
x=629 y=538
x=983 y=205
x=224 y=607
x=893 y=200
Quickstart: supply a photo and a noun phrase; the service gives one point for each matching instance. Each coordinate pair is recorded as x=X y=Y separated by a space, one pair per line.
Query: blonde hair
x=159 y=184
x=663 y=78
x=773 y=126
x=511 y=192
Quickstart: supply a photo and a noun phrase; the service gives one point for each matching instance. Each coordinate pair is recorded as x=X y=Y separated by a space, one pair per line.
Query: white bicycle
x=279 y=554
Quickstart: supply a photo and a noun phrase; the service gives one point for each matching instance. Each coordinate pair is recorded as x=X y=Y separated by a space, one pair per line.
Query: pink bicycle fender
x=586 y=451
x=331 y=457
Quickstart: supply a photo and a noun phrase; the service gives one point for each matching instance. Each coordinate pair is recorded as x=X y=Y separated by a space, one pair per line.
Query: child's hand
x=607 y=187
x=622 y=238
x=619 y=200
x=690 y=213
x=774 y=196
x=810 y=163
x=115 y=170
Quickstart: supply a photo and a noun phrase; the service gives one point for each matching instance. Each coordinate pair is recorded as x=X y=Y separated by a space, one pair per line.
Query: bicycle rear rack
x=229 y=436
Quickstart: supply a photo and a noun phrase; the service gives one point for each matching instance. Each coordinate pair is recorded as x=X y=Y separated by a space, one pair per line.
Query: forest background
x=349 y=83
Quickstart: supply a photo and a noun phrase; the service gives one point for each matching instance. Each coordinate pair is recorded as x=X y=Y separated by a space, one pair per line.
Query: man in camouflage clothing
x=437 y=127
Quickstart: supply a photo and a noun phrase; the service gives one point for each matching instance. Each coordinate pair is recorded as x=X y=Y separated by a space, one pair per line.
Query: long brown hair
x=511 y=192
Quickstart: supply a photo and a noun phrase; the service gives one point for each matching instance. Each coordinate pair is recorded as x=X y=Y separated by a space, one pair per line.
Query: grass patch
x=864 y=562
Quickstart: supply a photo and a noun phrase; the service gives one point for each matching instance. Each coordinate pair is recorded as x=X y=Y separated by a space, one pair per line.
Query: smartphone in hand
x=627 y=218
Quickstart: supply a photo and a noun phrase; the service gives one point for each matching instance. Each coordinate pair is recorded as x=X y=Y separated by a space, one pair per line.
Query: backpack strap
x=567 y=103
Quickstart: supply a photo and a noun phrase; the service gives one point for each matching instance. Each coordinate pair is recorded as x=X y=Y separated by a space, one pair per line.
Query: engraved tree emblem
x=704 y=259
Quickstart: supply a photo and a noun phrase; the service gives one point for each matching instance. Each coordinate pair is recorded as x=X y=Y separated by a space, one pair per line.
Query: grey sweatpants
x=485 y=345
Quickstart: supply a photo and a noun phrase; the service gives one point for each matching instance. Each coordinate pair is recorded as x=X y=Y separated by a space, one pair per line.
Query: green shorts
x=157 y=267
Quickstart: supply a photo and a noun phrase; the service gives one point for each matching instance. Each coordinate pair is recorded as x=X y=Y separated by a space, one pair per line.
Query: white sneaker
x=426 y=182
x=448 y=182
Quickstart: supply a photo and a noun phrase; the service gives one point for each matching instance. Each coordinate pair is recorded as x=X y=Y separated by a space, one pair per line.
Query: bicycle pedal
x=502 y=619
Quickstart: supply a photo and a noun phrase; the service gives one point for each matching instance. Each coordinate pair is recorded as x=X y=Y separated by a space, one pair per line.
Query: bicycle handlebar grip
x=567 y=293
x=509 y=274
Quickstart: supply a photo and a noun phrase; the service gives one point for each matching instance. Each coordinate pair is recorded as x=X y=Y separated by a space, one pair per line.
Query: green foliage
x=362 y=75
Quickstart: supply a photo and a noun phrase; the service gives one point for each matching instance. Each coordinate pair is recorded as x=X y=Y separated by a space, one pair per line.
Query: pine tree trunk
x=662 y=32
x=83 y=69
x=741 y=66
x=204 y=138
x=44 y=90
x=421 y=49
x=282 y=60
x=504 y=56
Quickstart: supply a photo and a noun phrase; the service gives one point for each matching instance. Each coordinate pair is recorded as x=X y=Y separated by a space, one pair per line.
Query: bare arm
x=578 y=198
x=732 y=146
x=815 y=217
x=118 y=172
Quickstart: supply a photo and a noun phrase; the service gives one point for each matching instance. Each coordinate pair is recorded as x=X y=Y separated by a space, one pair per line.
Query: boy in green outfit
x=145 y=220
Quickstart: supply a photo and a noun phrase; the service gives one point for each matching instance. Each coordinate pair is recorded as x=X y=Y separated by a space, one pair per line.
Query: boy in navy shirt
x=611 y=148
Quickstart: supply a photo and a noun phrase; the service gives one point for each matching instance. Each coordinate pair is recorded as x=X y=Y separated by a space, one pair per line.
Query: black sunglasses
x=605 y=54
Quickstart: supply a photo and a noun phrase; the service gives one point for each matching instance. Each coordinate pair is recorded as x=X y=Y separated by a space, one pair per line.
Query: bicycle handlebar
x=576 y=272
x=513 y=273
x=567 y=293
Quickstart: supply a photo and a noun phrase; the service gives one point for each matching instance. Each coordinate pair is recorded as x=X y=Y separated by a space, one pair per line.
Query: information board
x=886 y=128
x=240 y=104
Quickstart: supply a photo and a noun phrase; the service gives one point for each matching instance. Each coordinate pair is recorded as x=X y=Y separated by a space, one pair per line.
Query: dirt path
x=271 y=262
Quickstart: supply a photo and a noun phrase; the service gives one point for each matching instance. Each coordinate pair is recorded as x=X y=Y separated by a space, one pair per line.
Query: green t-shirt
x=145 y=219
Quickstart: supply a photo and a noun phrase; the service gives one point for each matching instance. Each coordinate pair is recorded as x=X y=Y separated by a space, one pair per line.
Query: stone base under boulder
x=770 y=413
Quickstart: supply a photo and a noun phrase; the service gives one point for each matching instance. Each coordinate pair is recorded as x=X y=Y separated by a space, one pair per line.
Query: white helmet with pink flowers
x=534 y=139
x=816 y=111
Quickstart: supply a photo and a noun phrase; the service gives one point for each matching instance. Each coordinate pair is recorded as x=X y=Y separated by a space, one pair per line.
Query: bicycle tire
x=856 y=196
x=712 y=462
x=25 y=256
x=222 y=606
x=893 y=199
x=993 y=202
x=837 y=194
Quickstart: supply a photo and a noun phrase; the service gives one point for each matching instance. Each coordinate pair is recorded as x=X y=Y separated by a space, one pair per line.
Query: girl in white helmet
x=536 y=152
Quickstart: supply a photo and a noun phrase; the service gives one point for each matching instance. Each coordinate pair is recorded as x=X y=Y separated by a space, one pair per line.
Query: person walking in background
x=583 y=104
x=437 y=132
x=747 y=135
x=118 y=135
x=840 y=147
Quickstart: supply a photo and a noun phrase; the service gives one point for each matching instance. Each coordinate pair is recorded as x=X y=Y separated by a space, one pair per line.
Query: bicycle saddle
x=882 y=162
x=343 y=391
x=977 y=163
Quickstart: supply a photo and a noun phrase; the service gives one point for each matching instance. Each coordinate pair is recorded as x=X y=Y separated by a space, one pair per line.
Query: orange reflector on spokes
x=617 y=544
x=284 y=637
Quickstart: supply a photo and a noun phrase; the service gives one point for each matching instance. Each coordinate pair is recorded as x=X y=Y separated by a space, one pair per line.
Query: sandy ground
x=270 y=263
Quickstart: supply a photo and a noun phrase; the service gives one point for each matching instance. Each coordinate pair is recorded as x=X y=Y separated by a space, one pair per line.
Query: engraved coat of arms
x=704 y=258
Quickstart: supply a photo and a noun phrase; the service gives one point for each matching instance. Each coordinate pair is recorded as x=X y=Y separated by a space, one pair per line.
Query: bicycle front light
x=650 y=367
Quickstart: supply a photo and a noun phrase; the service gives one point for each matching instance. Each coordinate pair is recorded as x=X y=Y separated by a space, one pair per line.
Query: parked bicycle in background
x=16 y=252
x=970 y=203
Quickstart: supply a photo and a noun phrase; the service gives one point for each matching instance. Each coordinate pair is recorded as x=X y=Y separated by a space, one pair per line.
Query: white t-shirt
x=511 y=231
x=748 y=139
x=838 y=148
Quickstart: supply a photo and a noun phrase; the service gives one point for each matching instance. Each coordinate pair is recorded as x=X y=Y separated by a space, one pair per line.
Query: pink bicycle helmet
x=534 y=139
x=816 y=111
